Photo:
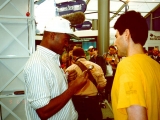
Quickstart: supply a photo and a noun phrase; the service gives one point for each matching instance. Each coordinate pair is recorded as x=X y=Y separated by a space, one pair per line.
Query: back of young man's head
x=136 y=24
x=78 y=52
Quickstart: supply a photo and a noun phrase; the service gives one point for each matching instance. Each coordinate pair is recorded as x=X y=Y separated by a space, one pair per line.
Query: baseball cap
x=90 y=47
x=60 y=25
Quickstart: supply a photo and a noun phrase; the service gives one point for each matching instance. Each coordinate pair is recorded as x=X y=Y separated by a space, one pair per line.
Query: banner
x=154 y=35
x=85 y=26
x=71 y=7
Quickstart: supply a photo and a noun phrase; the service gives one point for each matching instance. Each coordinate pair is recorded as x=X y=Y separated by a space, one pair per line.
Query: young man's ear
x=127 y=34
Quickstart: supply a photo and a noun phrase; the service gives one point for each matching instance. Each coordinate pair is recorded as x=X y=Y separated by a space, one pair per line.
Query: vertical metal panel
x=17 y=43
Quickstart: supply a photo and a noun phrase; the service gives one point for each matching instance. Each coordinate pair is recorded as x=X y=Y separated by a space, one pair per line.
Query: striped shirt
x=44 y=80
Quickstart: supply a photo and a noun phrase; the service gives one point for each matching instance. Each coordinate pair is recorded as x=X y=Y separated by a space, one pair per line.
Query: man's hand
x=72 y=74
x=100 y=89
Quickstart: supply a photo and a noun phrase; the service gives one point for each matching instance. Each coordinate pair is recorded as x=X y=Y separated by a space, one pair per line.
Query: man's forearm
x=55 y=105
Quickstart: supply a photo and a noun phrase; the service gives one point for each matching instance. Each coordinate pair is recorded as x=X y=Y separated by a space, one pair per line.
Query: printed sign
x=154 y=35
x=71 y=7
x=85 y=26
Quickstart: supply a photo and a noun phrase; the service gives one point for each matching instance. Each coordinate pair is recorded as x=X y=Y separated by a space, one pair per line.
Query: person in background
x=86 y=100
x=150 y=52
x=158 y=58
x=154 y=55
x=98 y=60
x=112 y=58
x=64 y=58
x=91 y=52
x=48 y=94
x=145 y=51
x=70 y=51
x=136 y=85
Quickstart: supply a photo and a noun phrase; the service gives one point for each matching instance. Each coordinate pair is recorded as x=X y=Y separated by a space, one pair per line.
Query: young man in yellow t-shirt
x=136 y=86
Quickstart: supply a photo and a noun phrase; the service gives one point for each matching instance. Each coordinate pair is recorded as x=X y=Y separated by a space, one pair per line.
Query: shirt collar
x=48 y=53
x=81 y=59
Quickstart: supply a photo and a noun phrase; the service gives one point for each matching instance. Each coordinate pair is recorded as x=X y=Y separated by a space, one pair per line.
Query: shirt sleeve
x=99 y=76
x=131 y=89
x=37 y=86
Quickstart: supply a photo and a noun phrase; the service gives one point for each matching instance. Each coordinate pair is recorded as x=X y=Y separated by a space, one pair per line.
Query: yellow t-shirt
x=137 y=82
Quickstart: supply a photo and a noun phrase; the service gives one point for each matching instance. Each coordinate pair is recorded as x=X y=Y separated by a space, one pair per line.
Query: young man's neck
x=135 y=49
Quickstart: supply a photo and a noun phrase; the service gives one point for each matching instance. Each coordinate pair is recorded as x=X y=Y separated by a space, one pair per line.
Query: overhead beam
x=87 y=1
x=119 y=10
x=155 y=8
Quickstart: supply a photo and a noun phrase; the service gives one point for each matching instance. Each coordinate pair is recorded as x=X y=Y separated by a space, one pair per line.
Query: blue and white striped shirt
x=44 y=80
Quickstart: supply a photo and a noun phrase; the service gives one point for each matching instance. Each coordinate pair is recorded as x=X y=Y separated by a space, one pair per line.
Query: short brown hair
x=78 y=52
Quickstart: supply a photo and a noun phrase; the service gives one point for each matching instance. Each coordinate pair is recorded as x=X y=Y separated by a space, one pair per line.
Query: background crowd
x=110 y=58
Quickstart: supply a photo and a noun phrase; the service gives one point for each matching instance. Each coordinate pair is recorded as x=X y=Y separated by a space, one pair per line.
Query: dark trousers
x=87 y=107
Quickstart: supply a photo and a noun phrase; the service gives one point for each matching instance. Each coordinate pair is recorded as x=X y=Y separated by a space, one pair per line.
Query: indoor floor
x=107 y=113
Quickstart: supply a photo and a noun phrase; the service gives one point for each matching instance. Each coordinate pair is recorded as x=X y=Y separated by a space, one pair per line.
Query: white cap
x=60 y=25
x=90 y=47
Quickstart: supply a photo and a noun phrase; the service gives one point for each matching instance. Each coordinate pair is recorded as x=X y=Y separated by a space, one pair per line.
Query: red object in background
x=27 y=14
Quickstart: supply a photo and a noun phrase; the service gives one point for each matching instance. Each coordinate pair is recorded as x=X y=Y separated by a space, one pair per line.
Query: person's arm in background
x=136 y=112
x=101 y=81
x=103 y=66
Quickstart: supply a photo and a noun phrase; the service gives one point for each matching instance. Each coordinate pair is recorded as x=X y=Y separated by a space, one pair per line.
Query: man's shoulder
x=35 y=60
x=71 y=67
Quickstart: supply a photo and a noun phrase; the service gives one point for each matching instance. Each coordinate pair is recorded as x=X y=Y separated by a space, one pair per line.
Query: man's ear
x=52 y=35
x=127 y=34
